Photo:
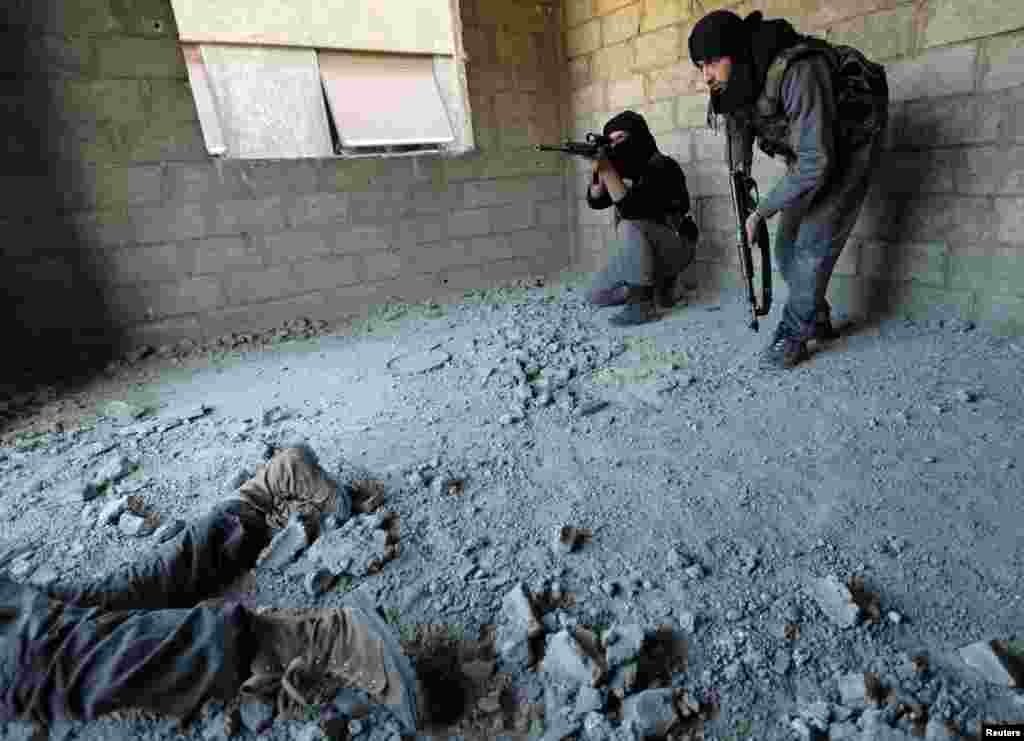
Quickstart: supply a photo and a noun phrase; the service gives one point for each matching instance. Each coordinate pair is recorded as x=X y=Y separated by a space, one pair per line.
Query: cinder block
x=604 y=7
x=674 y=80
x=691 y=111
x=715 y=213
x=133 y=57
x=578 y=12
x=58 y=16
x=318 y=209
x=153 y=140
x=485 y=79
x=935 y=73
x=166 y=223
x=99 y=100
x=149 y=264
x=659 y=13
x=621 y=25
x=266 y=178
x=374 y=206
x=589 y=99
x=534 y=241
x=958 y=219
x=216 y=255
x=202 y=181
x=526 y=17
x=381 y=265
x=990 y=171
x=480 y=193
x=952 y=122
x=678 y=144
x=834 y=12
x=138 y=302
x=1010 y=218
x=501 y=164
x=511 y=217
x=53 y=55
x=94 y=186
x=434 y=257
x=165 y=332
x=579 y=72
x=260 y=285
x=254 y=216
x=515 y=46
x=707 y=179
x=927 y=171
x=432 y=228
x=318 y=275
x=256 y=316
x=292 y=246
x=886 y=34
x=626 y=92
x=479 y=44
x=350 y=175
x=145 y=18
x=552 y=214
x=469 y=222
x=356 y=239
x=660 y=117
x=708 y=145
x=613 y=62
x=949 y=21
x=659 y=48
x=1003 y=62
x=584 y=39
x=925 y=262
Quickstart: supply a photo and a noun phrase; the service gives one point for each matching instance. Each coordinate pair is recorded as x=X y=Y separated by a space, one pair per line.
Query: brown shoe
x=292 y=481
x=304 y=656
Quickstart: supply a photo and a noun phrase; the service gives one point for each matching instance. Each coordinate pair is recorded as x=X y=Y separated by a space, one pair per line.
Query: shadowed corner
x=53 y=315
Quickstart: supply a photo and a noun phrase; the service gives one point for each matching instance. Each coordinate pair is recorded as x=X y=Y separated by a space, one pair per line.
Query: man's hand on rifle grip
x=752 y=225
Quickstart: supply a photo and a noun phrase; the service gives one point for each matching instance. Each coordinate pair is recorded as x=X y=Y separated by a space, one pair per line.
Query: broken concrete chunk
x=122 y=410
x=318 y=581
x=982 y=657
x=836 y=601
x=112 y=471
x=624 y=644
x=286 y=546
x=852 y=689
x=565 y=659
x=588 y=699
x=113 y=510
x=649 y=714
x=517 y=623
x=168 y=530
x=134 y=525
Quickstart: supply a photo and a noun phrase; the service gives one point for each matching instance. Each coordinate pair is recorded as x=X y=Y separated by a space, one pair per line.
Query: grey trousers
x=135 y=638
x=647 y=252
x=810 y=237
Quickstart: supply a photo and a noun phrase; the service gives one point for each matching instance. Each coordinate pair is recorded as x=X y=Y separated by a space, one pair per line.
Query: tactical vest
x=862 y=97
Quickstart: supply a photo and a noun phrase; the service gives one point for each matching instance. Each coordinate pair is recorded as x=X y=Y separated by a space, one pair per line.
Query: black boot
x=639 y=308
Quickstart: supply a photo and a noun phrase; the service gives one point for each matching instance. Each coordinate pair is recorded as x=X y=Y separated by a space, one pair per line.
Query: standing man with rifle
x=824 y=109
x=658 y=237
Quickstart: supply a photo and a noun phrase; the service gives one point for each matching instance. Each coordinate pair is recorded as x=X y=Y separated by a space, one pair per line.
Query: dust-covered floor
x=895 y=454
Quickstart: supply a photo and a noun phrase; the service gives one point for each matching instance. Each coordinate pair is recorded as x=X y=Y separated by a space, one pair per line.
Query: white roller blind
x=379 y=100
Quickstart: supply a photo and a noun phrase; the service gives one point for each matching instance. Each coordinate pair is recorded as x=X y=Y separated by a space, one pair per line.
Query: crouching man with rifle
x=824 y=109
x=657 y=236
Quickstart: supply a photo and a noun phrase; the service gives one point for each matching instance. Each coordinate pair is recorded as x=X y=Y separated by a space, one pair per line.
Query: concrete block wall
x=117 y=225
x=942 y=230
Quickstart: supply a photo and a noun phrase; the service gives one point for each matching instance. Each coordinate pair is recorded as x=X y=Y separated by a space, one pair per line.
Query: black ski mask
x=631 y=156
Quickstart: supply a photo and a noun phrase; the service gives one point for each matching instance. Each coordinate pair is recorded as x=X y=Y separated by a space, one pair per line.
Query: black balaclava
x=631 y=156
x=752 y=43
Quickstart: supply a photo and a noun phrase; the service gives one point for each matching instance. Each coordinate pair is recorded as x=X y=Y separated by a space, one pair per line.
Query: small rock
x=732 y=615
x=966 y=396
x=588 y=699
x=694 y=572
x=168 y=530
x=318 y=581
x=983 y=658
x=624 y=644
x=122 y=410
x=687 y=621
x=852 y=689
x=894 y=617
x=591 y=407
x=113 y=471
x=44 y=576
x=649 y=714
x=112 y=512
x=835 y=601
x=132 y=525
x=565 y=659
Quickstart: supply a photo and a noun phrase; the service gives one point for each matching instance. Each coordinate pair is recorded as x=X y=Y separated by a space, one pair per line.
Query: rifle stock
x=744 y=200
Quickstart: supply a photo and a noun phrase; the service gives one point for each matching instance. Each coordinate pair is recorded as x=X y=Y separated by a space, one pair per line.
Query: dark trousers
x=135 y=638
x=811 y=236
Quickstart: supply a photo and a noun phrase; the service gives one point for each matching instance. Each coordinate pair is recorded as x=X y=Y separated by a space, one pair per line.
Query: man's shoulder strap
x=771 y=93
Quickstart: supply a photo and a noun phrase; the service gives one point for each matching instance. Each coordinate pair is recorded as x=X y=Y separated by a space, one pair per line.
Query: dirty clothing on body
x=656 y=236
x=137 y=639
x=821 y=107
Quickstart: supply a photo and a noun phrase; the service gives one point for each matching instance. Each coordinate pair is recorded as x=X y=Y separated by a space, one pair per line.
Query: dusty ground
x=896 y=453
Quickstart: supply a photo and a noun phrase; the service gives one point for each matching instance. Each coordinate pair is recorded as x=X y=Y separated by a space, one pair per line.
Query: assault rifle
x=744 y=200
x=592 y=148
